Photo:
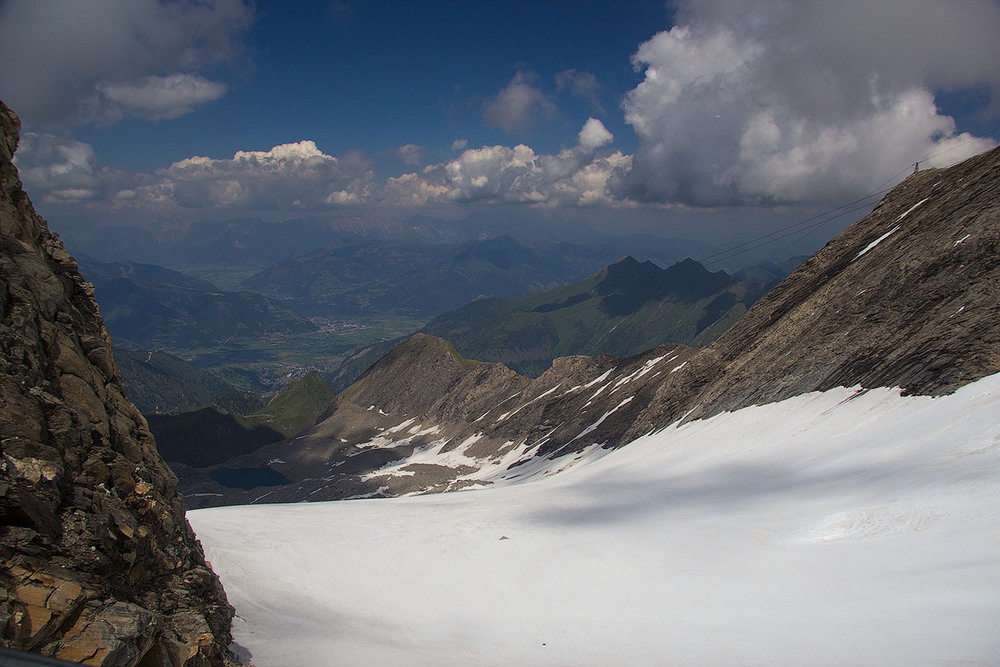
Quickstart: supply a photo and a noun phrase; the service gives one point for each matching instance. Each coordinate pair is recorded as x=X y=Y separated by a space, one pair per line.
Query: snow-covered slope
x=836 y=528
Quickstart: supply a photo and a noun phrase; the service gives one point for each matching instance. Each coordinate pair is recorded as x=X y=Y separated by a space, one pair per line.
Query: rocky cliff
x=909 y=296
x=99 y=565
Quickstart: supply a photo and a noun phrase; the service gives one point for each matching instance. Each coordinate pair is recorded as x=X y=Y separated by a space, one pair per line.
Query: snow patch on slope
x=912 y=208
x=877 y=241
x=593 y=427
x=536 y=398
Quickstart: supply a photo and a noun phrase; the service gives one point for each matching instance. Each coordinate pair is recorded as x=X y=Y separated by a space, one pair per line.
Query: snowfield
x=836 y=528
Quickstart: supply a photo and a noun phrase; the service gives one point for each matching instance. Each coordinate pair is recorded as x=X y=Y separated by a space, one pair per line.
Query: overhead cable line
x=816 y=220
x=821 y=219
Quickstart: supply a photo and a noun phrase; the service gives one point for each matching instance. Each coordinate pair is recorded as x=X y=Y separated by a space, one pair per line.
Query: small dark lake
x=248 y=478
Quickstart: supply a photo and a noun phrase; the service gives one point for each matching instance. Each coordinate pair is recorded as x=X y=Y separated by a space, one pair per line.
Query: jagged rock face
x=99 y=565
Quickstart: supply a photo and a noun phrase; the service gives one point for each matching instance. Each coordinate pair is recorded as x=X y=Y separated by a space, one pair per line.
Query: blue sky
x=376 y=76
x=727 y=113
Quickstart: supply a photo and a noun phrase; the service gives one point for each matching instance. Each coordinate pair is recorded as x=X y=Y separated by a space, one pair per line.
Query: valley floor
x=829 y=529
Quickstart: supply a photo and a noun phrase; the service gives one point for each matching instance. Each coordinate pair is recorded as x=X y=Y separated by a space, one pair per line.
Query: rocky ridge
x=623 y=309
x=99 y=565
x=423 y=419
x=909 y=296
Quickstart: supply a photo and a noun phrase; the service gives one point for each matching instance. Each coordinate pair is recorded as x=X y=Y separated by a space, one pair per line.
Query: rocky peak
x=686 y=277
x=412 y=376
x=622 y=273
x=99 y=565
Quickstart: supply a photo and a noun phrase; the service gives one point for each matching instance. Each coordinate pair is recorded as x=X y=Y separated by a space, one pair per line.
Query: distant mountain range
x=161 y=382
x=246 y=335
x=424 y=280
x=153 y=307
x=627 y=308
x=906 y=297
x=623 y=309
x=243 y=242
x=330 y=263
x=334 y=308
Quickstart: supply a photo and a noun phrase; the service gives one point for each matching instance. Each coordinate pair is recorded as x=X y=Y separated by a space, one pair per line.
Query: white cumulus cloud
x=154 y=97
x=519 y=106
x=56 y=169
x=594 y=134
x=763 y=101
x=289 y=176
x=502 y=174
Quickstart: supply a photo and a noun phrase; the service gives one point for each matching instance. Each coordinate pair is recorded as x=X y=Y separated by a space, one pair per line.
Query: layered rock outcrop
x=97 y=563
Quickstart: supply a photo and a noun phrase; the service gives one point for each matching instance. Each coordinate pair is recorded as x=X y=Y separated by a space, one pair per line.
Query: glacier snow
x=843 y=527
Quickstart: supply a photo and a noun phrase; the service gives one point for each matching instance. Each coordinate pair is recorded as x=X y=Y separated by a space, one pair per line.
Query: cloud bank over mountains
x=290 y=176
x=740 y=103
x=300 y=176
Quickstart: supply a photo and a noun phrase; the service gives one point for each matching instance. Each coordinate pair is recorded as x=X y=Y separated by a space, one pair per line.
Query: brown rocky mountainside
x=425 y=419
x=908 y=296
x=99 y=565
